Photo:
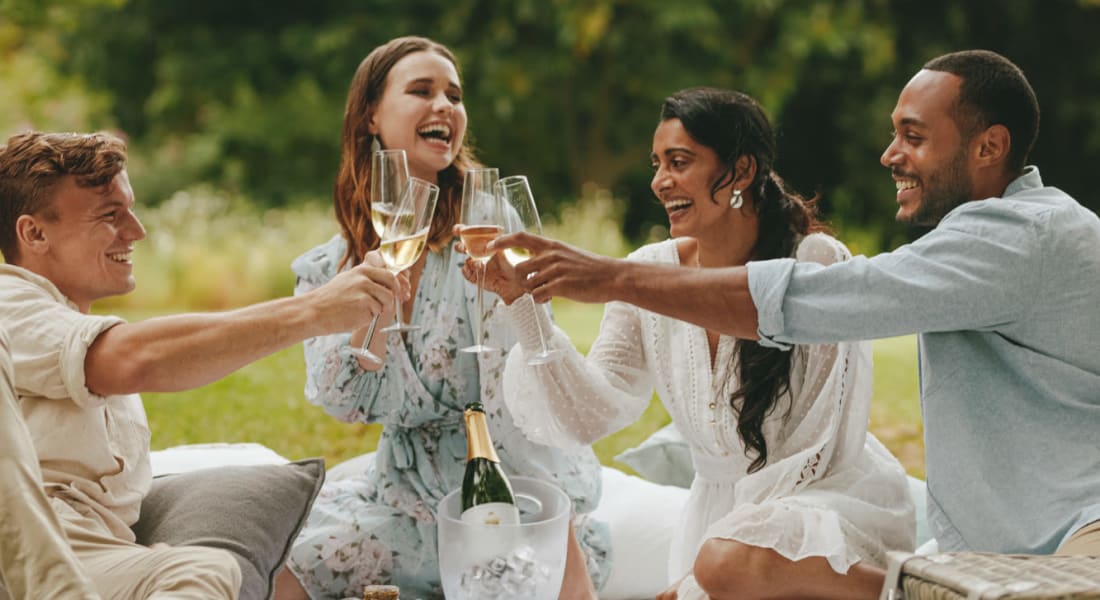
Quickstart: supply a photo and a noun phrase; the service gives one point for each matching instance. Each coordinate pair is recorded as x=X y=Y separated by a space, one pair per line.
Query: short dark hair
x=994 y=91
x=33 y=163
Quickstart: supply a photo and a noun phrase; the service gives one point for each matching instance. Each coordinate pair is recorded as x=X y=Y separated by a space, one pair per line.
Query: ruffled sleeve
x=575 y=469
x=577 y=400
x=334 y=379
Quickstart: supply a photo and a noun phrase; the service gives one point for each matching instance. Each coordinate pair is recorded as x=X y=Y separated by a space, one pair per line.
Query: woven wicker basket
x=980 y=576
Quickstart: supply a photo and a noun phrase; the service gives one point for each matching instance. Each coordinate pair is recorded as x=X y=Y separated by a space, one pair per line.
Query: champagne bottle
x=487 y=496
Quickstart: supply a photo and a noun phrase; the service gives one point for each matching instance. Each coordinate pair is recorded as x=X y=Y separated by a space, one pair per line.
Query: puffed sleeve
x=334 y=379
x=576 y=400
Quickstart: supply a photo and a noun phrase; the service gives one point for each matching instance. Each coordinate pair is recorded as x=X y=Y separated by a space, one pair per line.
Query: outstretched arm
x=716 y=299
x=189 y=350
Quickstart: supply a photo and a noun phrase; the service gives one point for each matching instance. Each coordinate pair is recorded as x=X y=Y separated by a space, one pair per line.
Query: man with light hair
x=67 y=232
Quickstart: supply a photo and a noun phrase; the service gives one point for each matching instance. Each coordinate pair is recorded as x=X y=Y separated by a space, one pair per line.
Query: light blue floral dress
x=379 y=527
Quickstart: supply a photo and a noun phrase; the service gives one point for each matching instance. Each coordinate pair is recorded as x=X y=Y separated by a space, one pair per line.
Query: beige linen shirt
x=93 y=450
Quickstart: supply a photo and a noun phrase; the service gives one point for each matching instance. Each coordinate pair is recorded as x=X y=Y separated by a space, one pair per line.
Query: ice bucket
x=505 y=562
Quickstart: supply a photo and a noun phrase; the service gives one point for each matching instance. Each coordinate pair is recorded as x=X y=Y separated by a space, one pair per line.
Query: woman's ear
x=744 y=172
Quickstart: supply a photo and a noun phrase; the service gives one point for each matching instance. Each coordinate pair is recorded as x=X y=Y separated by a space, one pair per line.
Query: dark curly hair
x=733 y=125
x=350 y=194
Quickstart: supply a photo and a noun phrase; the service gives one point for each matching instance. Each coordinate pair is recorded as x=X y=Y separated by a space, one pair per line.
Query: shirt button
x=713 y=405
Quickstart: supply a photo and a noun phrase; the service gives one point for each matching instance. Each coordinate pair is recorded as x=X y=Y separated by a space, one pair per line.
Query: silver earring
x=375 y=145
x=735 y=199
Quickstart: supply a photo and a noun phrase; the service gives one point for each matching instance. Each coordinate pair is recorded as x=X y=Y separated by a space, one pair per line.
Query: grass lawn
x=263 y=403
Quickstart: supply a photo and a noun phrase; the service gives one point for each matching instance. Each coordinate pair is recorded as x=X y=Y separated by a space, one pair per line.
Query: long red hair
x=351 y=192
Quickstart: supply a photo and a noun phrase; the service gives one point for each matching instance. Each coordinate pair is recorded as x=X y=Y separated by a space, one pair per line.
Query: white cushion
x=181 y=459
x=643 y=517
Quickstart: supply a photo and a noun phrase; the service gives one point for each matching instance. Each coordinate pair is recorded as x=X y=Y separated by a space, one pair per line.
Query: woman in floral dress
x=379 y=526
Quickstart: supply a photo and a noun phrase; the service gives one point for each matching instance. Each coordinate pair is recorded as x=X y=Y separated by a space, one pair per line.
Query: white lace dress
x=829 y=488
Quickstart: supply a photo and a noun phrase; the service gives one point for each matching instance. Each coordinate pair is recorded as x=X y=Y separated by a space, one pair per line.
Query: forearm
x=190 y=350
x=715 y=299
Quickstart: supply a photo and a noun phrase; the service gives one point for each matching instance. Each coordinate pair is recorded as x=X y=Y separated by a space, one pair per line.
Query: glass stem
x=480 y=309
x=370 y=334
x=397 y=311
x=538 y=326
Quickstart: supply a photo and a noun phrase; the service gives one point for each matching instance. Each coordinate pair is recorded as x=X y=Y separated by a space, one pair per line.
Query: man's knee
x=200 y=572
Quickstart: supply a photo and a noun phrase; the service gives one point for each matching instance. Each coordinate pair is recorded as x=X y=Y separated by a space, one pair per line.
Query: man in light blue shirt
x=1004 y=292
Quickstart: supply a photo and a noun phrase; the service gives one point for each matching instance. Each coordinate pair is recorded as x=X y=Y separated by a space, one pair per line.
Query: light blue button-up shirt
x=1005 y=294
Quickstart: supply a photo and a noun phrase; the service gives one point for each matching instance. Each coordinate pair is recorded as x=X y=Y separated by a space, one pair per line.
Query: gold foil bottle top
x=381 y=592
x=478 y=442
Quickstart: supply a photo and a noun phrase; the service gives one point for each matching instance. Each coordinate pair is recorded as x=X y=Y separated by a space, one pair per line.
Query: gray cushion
x=254 y=512
x=663 y=458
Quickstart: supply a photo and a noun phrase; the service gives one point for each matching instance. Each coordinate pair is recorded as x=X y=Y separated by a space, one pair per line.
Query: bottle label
x=492 y=513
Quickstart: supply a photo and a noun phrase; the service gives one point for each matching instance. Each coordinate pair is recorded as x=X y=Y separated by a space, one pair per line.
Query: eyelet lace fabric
x=829 y=488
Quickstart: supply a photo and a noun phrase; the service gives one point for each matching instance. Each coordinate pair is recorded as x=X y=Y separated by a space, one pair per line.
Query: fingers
x=470 y=269
x=373 y=259
x=534 y=243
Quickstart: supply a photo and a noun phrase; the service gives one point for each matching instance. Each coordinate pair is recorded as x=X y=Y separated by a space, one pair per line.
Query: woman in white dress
x=792 y=497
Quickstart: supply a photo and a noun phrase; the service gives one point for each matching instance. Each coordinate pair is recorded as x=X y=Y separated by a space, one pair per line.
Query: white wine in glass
x=400 y=253
x=404 y=239
x=389 y=176
x=479 y=224
x=519 y=213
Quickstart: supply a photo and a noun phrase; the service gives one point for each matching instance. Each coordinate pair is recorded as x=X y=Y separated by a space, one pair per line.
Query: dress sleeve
x=576 y=400
x=334 y=379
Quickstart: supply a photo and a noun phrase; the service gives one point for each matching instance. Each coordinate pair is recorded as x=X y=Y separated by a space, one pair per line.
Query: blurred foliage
x=247 y=96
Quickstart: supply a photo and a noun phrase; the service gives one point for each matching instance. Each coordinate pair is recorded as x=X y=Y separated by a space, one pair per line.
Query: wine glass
x=480 y=224
x=403 y=242
x=389 y=175
x=518 y=213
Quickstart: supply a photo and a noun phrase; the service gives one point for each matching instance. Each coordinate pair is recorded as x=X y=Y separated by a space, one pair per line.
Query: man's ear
x=30 y=236
x=993 y=145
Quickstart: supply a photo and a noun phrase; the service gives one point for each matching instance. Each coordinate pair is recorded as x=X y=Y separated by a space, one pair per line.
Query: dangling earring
x=735 y=199
x=375 y=145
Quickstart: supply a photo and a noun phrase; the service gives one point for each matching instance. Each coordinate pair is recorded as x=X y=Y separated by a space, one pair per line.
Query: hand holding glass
x=518 y=213
x=389 y=176
x=403 y=241
x=480 y=224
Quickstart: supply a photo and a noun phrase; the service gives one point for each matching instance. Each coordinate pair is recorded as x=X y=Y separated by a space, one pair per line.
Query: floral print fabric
x=379 y=527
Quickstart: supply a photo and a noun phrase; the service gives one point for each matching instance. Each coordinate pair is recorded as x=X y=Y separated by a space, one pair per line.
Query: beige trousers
x=35 y=558
x=122 y=569
x=1085 y=541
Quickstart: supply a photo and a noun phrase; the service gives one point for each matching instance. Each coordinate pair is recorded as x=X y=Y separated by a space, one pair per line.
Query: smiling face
x=928 y=157
x=684 y=172
x=86 y=250
x=421 y=111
